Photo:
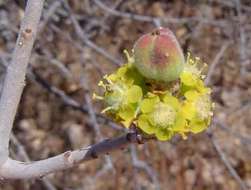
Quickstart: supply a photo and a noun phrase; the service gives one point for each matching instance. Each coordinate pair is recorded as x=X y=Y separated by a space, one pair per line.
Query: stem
x=15 y=74
x=12 y=169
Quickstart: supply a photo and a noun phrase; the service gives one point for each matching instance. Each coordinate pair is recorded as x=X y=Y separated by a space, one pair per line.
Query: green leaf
x=144 y=125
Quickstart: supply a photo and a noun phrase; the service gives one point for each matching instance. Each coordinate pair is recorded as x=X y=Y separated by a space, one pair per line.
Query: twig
x=93 y=118
x=12 y=169
x=226 y=162
x=143 y=166
x=107 y=15
x=221 y=125
x=216 y=62
x=68 y=101
x=88 y=42
x=51 y=11
x=76 y=44
x=20 y=148
x=242 y=49
x=59 y=93
x=88 y=107
x=14 y=79
x=143 y=18
x=49 y=58
x=108 y=166
x=231 y=4
x=221 y=154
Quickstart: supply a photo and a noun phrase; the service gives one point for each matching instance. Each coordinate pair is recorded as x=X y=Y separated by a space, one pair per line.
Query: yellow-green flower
x=192 y=77
x=160 y=116
x=123 y=93
x=197 y=110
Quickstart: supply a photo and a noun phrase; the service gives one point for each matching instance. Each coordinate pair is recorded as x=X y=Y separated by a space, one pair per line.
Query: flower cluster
x=161 y=113
x=156 y=107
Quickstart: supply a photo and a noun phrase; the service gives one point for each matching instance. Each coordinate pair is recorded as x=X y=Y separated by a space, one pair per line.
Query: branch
x=139 y=164
x=15 y=75
x=243 y=39
x=216 y=62
x=93 y=118
x=80 y=33
x=23 y=154
x=67 y=100
x=12 y=169
x=226 y=162
x=158 y=20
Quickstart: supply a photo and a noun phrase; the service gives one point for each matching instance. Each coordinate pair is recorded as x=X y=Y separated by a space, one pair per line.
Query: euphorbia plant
x=157 y=90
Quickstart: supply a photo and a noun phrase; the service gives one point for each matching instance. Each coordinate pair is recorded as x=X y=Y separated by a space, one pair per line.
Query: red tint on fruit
x=158 y=55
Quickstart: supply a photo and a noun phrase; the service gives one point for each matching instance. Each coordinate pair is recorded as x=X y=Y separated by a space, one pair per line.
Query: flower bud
x=158 y=56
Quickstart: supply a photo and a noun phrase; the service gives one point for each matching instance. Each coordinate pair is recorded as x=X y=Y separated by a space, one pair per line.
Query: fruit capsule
x=158 y=55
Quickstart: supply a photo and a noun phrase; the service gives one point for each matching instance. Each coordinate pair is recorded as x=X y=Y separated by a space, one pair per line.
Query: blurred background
x=79 y=41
